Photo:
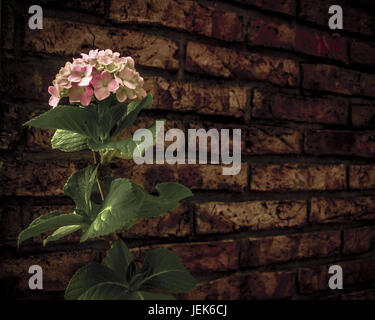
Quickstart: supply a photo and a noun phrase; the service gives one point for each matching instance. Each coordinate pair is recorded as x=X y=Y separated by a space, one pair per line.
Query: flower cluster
x=98 y=73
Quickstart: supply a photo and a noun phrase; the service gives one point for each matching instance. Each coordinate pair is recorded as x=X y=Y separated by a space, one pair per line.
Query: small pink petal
x=53 y=91
x=85 y=81
x=130 y=85
x=53 y=101
x=86 y=98
x=113 y=86
x=101 y=93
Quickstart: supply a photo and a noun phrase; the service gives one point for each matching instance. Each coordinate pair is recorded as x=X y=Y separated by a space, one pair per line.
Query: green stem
x=97 y=179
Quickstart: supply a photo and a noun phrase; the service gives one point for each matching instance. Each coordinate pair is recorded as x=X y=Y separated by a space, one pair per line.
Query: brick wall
x=303 y=95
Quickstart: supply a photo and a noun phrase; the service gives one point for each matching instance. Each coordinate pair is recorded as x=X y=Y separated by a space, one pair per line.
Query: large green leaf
x=118 y=259
x=163 y=270
x=125 y=147
x=132 y=112
x=144 y=295
x=119 y=209
x=50 y=221
x=170 y=194
x=68 y=141
x=82 y=120
x=79 y=187
x=109 y=117
x=61 y=232
x=106 y=291
x=88 y=277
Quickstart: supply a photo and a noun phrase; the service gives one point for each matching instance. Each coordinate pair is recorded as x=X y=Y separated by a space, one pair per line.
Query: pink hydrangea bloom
x=98 y=73
x=104 y=84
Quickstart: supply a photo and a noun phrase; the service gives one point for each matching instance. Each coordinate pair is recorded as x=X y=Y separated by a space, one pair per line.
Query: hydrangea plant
x=105 y=95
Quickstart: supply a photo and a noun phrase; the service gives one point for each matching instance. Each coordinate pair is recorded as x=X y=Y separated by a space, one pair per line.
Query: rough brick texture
x=302 y=94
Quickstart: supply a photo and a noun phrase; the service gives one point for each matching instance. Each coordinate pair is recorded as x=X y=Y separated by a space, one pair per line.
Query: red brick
x=277 y=249
x=362 y=177
x=359 y=240
x=58 y=268
x=340 y=142
x=282 y=6
x=205 y=177
x=331 y=78
x=228 y=63
x=271 y=32
x=10 y=221
x=274 y=140
x=362 y=52
x=201 y=98
x=363 y=115
x=284 y=177
x=47 y=179
x=342 y=210
x=182 y=15
x=253 y=285
x=28 y=80
x=223 y=217
x=354 y=272
x=92 y=6
x=201 y=256
x=355 y=19
x=67 y=38
x=271 y=104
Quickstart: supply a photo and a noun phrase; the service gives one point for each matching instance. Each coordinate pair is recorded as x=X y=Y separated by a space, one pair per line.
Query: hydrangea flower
x=98 y=73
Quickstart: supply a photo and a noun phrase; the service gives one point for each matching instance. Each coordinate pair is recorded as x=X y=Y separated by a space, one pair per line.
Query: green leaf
x=170 y=194
x=118 y=259
x=163 y=270
x=119 y=209
x=82 y=120
x=61 y=232
x=106 y=291
x=50 y=221
x=125 y=147
x=79 y=187
x=88 y=277
x=108 y=120
x=68 y=141
x=132 y=112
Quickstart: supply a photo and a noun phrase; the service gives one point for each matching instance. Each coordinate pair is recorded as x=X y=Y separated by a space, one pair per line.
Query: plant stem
x=97 y=179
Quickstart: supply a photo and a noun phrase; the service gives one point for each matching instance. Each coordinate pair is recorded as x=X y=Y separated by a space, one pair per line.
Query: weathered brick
x=200 y=98
x=11 y=131
x=28 y=80
x=201 y=256
x=274 y=140
x=92 y=6
x=359 y=240
x=368 y=294
x=340 y=142
x=355 y=19
x=228 y=63
x=342 y=210
x=270 y=104
x=10 y=221
x=67 y=38
x=267 y=31
x=354 y=272
x=253 y=285
x=182 y=15
x=282 y=6
x=222 y=217
x=8 y=26
x=34 y=179
x=331 y=78
x=363 y=115
x=283 y=177
x=205 y=177
x=367 y=84
x=362 y=177
x=277 y=249
x=362 y=52
x=58 y=268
